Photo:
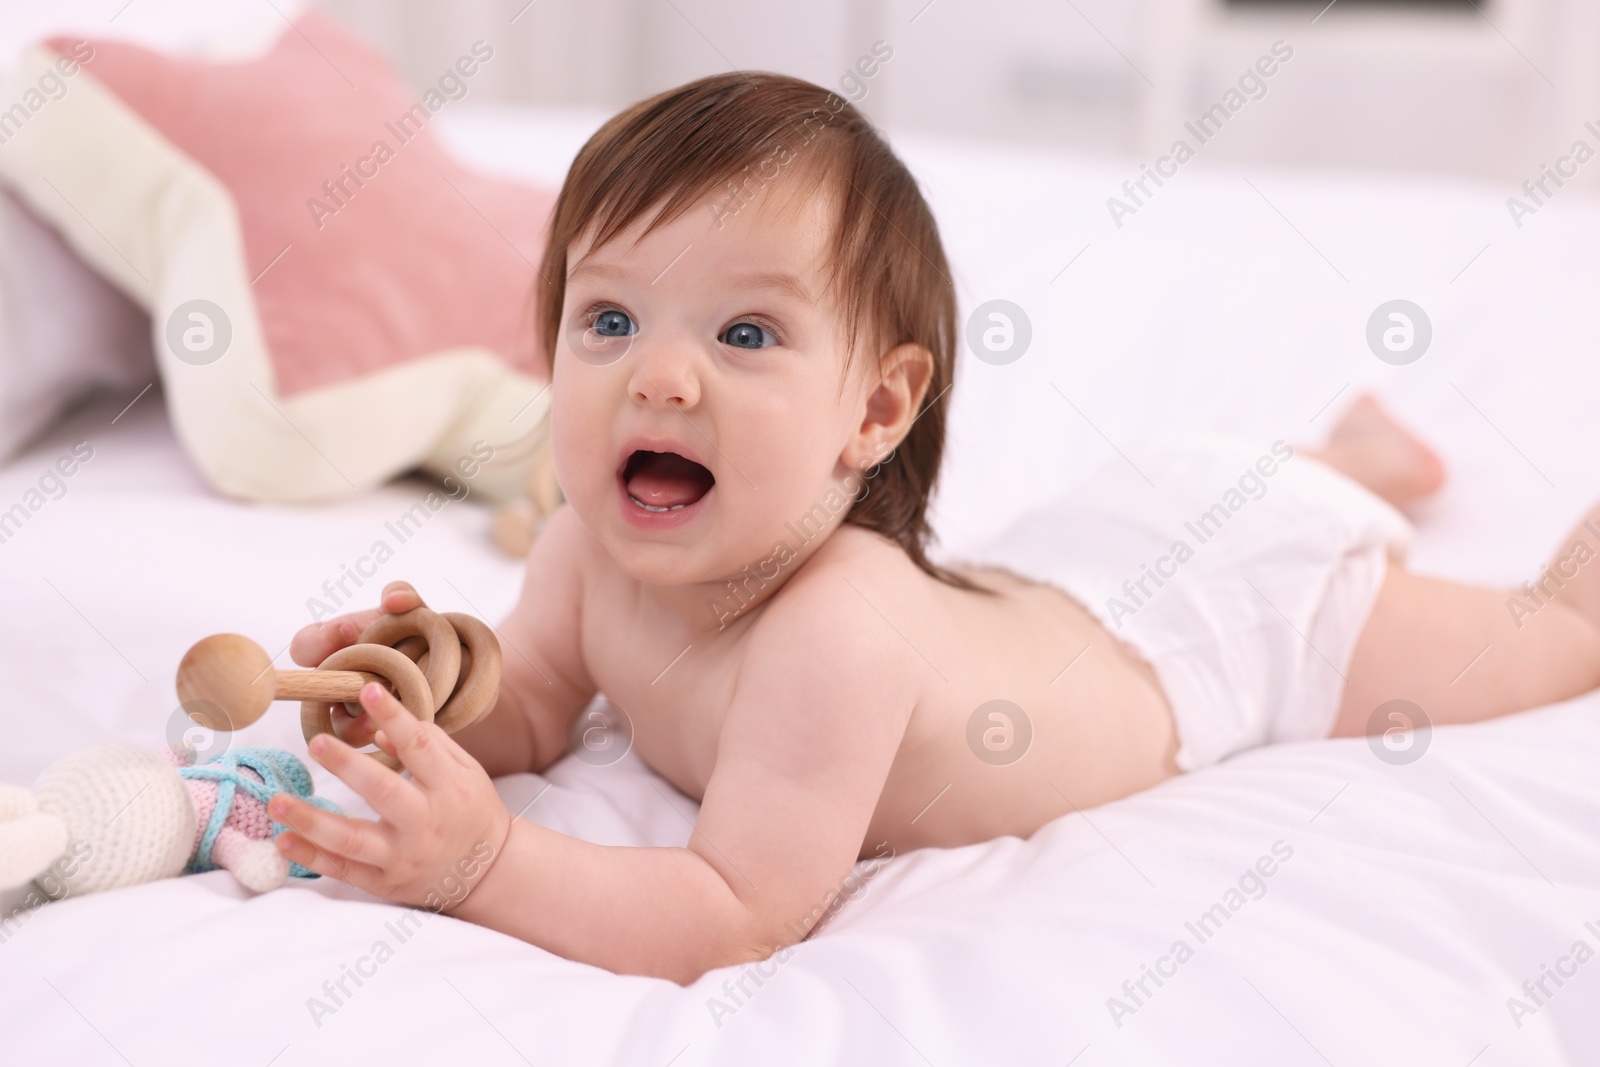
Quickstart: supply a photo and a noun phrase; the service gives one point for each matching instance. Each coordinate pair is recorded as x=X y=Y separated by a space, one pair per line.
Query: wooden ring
x=443 y=668
x=404 y=677
x=479 y=687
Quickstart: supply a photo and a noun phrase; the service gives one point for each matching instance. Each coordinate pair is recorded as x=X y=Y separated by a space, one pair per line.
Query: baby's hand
x=315 y=643
x=437 y=833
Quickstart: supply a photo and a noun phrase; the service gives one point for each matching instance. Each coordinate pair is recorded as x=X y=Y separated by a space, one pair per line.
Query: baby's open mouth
x=665 y=481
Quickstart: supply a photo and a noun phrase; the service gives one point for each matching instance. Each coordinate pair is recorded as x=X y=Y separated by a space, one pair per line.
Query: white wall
x=1491 y=94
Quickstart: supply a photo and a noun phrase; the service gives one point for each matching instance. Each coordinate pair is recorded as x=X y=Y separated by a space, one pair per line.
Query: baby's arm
x=817 y=716
x=543 y=684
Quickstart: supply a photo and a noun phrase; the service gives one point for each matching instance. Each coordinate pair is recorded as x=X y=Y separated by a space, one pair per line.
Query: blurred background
x=1483 y=88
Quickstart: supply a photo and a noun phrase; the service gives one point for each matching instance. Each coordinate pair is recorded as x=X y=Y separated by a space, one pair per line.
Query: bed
x=1407 y=904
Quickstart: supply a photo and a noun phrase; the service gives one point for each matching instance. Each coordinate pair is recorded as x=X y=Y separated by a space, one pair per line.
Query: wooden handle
x=332 y=686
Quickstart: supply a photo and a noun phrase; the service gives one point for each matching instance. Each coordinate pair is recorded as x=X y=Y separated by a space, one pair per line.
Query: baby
x=753 y=335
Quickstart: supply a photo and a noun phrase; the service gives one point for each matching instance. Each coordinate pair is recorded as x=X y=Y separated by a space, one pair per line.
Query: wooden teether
x=444 y=668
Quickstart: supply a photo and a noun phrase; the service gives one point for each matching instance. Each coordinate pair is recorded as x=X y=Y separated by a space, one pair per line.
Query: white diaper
x=1243 y=578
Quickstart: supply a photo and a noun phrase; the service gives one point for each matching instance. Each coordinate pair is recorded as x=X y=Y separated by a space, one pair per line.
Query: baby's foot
x=1371 y=447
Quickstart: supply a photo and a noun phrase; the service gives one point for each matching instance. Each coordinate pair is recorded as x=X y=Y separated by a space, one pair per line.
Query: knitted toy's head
x=98 y=819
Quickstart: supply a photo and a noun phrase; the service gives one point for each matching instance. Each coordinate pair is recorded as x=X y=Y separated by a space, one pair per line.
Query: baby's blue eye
x=613 y=323
x=747 y=335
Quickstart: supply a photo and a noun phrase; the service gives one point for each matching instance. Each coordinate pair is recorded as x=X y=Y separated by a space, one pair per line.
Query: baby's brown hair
x=887 y=266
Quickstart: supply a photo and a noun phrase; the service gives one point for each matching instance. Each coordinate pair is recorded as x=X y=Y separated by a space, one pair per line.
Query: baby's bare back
x=1015 y=708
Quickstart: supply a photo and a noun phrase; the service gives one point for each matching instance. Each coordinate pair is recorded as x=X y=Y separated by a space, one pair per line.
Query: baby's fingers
x=354 y=730
x=299 y=849
x=421 y=747
x=399 y=598
x=315 y=643
x=338 y=837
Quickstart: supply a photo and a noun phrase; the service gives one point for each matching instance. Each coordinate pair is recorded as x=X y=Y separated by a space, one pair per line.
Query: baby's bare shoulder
x=821 y=669
x=833 y=606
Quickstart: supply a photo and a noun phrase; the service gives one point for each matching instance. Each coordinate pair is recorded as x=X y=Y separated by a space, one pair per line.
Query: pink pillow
x=334 y=299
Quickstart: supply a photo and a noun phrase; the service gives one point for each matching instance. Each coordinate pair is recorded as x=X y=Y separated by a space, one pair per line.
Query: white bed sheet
x=1417 y=898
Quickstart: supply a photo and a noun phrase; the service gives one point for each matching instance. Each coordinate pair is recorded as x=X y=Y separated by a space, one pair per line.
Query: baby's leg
x=1460 y=652
x=1464 y=653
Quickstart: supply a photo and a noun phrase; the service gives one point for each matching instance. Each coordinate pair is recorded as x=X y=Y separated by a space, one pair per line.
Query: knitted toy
x=116 y=815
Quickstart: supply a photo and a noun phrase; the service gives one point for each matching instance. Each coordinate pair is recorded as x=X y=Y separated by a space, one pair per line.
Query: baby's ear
x=892 y=404
x=29 y=844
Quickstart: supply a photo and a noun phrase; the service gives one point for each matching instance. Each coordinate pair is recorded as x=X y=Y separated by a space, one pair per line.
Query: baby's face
x=701 y=403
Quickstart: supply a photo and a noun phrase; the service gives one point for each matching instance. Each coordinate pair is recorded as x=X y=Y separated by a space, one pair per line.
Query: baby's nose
x=665 y=375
